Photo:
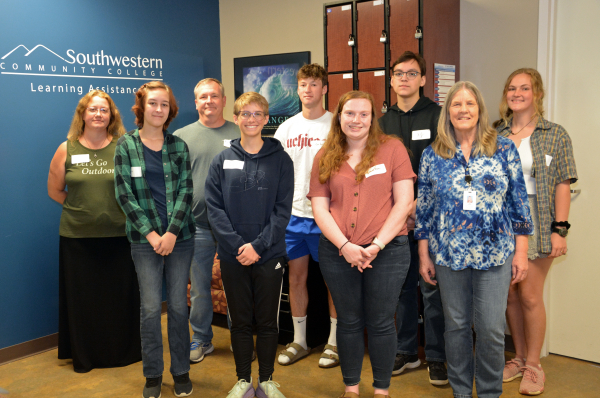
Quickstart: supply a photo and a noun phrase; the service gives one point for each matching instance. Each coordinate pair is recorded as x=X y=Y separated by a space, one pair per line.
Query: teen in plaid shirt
x=153 y=185
x=549 y=169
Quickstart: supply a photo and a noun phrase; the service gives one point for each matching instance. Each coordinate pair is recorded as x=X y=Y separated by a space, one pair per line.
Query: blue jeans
x=475 y=297
x=407 y=313
x=201 y=312
x=366 y=299
x=150 y=268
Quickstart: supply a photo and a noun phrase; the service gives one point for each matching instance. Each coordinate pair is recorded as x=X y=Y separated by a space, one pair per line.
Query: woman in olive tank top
x=99 y=304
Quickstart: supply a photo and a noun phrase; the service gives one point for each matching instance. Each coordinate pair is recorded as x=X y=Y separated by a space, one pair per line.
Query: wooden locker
x=339 y=84
x=404 y=18
x=339 y=29
x=441 y=33
x=374 y=82
x=369 y=25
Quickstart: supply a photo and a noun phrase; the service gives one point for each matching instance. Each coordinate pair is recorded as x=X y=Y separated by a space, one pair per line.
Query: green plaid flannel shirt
x=135 y=197
x=549 y=142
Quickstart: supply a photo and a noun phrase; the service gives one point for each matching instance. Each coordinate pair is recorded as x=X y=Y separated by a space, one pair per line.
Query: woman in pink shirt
x=361 y=190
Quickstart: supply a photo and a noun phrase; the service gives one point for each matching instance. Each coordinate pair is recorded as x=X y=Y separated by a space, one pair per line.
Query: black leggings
x=248 y=288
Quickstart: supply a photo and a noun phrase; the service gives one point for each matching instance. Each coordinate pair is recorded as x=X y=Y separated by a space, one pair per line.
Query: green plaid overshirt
x=135 y=197
x=548 y=139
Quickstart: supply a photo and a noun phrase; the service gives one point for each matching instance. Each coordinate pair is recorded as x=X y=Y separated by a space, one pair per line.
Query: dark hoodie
x=249 y=199
x=423 y=116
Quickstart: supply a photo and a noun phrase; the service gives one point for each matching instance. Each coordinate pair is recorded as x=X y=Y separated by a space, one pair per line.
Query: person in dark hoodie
x=414 y=119
x=249 y=194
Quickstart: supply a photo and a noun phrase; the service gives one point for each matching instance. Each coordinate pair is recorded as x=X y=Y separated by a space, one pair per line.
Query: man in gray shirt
x=205 y=139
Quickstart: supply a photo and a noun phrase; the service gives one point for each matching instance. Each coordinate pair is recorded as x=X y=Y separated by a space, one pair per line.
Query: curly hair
x=336 y=145
x=140 y=102
x=314 y=71
x=485 y=139
x=537 y=87
x=115 y=126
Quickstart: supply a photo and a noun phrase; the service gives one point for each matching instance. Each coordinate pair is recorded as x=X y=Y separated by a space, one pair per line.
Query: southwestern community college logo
x=42 y=61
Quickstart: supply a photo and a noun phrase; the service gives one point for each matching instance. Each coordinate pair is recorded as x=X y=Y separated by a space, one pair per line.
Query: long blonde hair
x=485 y=138
x=336 y=145
x=537 y=87
x=115 y=126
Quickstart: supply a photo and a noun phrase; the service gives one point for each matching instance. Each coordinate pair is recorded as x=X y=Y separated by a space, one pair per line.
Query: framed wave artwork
x=274 y=77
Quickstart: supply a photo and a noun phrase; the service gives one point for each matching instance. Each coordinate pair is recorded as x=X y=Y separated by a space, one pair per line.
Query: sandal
x=335 y=357
x=300 y=353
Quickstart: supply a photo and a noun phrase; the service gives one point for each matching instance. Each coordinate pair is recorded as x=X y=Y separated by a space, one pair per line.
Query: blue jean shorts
x=302 y=238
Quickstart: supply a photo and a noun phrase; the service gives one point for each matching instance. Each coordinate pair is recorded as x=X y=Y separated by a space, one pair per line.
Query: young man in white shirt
x=302 y=136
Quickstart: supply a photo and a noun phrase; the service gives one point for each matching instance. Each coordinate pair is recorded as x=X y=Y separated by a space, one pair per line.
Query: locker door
x=339 y=29
x=369 y=25
x=374 y=82
x=441 y=38
x=339 y=84
x=404 y=18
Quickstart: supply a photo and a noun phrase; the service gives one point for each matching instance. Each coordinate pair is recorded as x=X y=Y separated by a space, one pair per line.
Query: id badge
x=470 y=200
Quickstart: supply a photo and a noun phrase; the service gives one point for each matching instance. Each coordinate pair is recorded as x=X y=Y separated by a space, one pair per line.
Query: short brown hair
x=250 y=98
x=115 y=126
x=207 y=81
x=140 y=102
x=407 y=56
x=314 y=71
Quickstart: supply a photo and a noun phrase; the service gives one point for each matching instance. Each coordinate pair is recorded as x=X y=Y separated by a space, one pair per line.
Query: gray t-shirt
x=204 y=144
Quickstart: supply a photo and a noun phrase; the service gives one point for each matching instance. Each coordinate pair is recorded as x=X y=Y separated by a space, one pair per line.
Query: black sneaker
x=183 y=385
x=152 y=387
x=438 y=375
x=405 y=362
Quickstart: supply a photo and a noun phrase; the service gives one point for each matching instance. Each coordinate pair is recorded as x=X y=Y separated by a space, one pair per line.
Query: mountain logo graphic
x=32 y=50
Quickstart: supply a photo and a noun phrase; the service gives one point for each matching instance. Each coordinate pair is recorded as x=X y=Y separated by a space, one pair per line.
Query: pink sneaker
x=512 y=370
x=533 y=380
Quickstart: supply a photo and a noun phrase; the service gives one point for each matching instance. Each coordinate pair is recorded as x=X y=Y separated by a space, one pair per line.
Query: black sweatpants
x=253 y=289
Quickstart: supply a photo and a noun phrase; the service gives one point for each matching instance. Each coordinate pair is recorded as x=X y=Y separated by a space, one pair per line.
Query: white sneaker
x=242 y=389
x=268 y=389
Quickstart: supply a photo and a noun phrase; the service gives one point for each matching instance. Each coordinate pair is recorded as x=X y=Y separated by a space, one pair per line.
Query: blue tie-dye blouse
x=480 y=238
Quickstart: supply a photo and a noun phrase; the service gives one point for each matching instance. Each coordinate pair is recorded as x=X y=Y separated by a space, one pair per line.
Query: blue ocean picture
x=278 y=84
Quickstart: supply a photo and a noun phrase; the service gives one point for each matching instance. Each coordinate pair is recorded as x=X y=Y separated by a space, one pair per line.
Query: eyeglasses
x=93 y=110
x=258 y=116
x=410 y=75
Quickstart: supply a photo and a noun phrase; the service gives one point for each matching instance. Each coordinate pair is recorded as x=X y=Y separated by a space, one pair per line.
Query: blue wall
x=183 y=35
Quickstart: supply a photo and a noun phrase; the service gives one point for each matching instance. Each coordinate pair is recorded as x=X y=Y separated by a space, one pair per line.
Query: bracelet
x=378 y=243
x=344 y=245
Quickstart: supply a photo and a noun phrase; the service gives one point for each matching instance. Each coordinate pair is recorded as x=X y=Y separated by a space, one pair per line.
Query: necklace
x=517 y=133
x=94 y=149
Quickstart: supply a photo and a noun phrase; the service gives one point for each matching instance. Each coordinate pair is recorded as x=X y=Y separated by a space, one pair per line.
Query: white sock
x=299 y=338
x=332 y=331
x=332 y=341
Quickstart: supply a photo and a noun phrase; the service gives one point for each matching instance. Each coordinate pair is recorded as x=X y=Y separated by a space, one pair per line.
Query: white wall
x=264 y=27
x=496 y=37
x=573 y=311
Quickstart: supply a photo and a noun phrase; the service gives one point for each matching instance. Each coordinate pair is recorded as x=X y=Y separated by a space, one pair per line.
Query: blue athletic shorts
x=302 y=238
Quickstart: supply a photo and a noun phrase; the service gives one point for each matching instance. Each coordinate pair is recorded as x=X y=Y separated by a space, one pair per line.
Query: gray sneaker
x=242 y=389
x=268 y=389
x=152 y=387
x=199 y=350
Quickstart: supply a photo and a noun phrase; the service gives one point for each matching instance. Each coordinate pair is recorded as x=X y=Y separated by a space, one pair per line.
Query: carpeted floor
x=44 y=375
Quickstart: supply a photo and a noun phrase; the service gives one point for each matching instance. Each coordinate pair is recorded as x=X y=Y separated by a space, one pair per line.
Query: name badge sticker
x=75 y=159
x=233 y=164
x=470 y=200
x=377 y=169
x=136 y=171
x=227 y=143
x=548 y=160
x=421 y=134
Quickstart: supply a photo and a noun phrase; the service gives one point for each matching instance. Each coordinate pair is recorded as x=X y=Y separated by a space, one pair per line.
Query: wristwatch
x=378 y=243
x=560 y=231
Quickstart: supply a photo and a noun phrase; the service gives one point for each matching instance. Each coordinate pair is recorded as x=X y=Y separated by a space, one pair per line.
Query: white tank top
x=527 y=163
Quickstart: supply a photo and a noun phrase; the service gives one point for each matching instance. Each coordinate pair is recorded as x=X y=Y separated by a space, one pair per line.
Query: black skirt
x=99 y=303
